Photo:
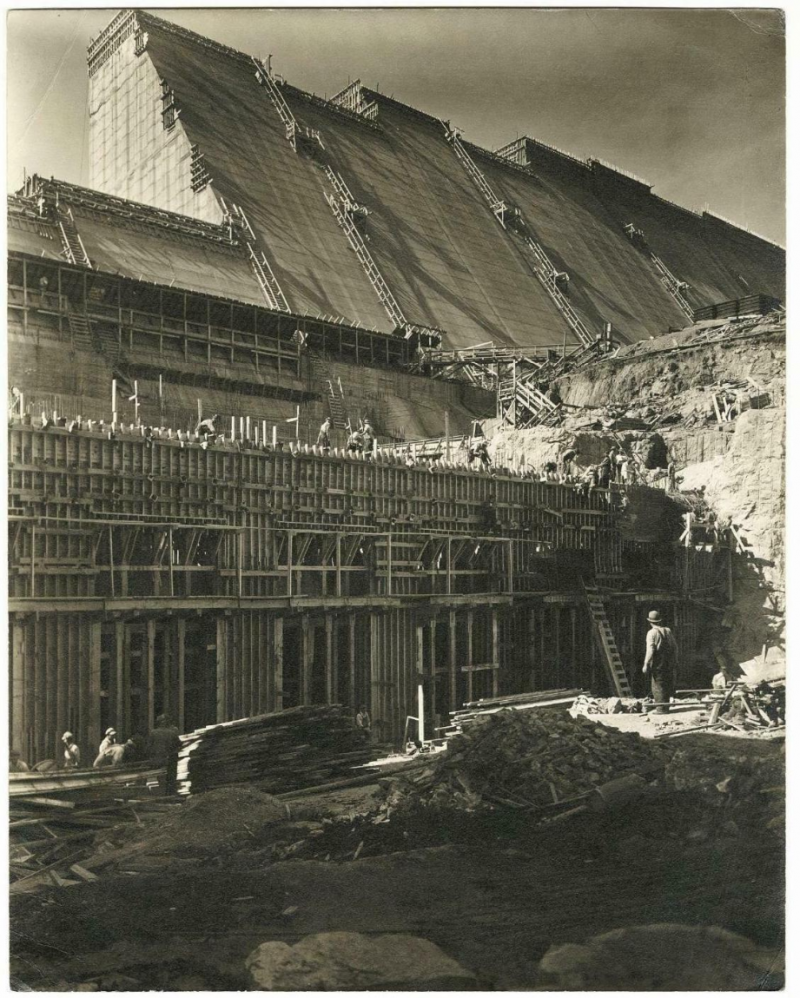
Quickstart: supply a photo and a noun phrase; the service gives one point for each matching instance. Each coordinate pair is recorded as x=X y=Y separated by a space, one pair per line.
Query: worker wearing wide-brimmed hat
x=109 y=740
x=72 y=754
x=661 y=661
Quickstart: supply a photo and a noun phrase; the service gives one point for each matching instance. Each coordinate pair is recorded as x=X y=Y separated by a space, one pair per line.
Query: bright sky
x=692 y=101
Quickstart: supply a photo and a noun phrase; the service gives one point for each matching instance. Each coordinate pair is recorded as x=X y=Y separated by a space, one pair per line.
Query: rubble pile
x=532 y=758
x=740 y=790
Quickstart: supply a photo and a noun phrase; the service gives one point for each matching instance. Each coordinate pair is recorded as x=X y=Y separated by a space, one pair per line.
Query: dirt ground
x=495 y=906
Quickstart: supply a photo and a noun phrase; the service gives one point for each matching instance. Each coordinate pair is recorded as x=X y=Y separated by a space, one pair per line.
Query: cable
x=51 y=84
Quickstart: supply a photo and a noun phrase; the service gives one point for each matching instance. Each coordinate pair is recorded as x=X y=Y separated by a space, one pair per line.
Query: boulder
x=661 y=957
x=350 y=961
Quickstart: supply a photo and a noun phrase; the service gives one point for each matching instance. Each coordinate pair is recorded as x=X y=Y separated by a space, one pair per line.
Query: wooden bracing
x=146 y=577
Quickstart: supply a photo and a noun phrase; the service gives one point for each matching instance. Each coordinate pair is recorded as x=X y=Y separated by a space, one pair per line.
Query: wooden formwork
x=148 y=577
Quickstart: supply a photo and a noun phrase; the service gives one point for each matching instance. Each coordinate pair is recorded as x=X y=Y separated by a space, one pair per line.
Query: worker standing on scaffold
x=324 y=435
x=369 y=438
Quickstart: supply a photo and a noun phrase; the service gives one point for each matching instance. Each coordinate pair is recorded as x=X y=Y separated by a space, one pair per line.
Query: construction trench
x=515 y=811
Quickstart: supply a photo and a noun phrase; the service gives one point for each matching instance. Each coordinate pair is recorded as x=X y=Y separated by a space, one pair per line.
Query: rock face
x=660 y=958
x=350 y=961
x=747 y=486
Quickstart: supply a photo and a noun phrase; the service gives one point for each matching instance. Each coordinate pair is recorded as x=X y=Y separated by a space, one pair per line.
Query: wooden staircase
x=604 y=637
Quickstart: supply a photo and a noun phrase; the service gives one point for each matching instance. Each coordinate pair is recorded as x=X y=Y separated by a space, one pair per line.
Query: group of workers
x=160 y=748
x=359 y=441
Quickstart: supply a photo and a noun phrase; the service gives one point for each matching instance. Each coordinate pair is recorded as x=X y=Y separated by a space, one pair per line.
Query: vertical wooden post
x=278 y=662
x=420 y=681
x=330 y=686
x=151 y=673
x=432 y=686
x=307 y=658
x=289 y=541
x=351 y=660
x=495 y=653
x=532 y=647
x=556 y=618
x=18 y=689
x=338 y=564
x=94 y=683
x=469 y=654
x=222 y=672
x=120 y=686
x=181 y=674
x=111 y=560
x=453 y=662
x=573 y=627
x=171 y=569
x=449 y=565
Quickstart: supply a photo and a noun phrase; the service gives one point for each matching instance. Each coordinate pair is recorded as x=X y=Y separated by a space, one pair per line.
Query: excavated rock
x=350 y=961
x=662 y=957
x=535 y=757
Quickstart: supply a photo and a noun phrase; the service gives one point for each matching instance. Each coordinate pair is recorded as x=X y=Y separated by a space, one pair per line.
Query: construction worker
x=16 y=764
x=72 y=754
x=207 y=427
x=109 y=739
x=369 y=437
x=15 y=402
x=363 y=723
x=115 y=755
x=355 y=442
x=479 y=449
x=604 y=473
x=613 y=456
x=324 y=435
x=672 y=476
x=409 y=457
x=162 y=749
x=661 y=661
x=566 y=463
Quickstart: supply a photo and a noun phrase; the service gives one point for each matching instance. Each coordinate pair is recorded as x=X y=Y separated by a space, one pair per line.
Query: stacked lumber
x=57 y=840
x=288 y=750
x=519 y=701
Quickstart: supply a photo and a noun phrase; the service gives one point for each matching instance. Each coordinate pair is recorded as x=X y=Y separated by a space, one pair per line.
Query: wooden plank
x=351 y=660
x=278 y=663
x=468 y=667
x=330 y=679
x=94 y=637
x=180 y=686
x=495 y=652
x=18 y=686
x=453 y=662
x=222 y=672
x=150 y=672
x=307 y=657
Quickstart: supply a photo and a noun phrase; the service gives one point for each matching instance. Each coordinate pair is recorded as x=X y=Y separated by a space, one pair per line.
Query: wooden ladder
x=79 y=328
x=336 y=404
x=606 y=643
x=72 y=244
